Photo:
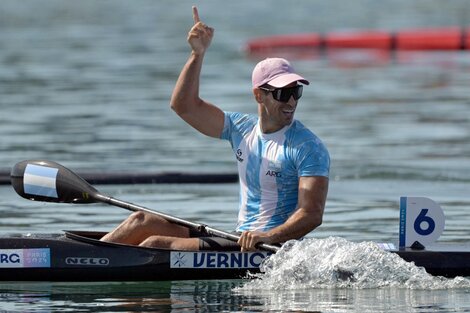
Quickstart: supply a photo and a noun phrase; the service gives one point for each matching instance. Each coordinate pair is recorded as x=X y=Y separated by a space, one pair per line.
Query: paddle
x=42 y=180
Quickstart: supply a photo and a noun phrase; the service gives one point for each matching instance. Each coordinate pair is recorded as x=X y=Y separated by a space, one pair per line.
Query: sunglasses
x=284 y=94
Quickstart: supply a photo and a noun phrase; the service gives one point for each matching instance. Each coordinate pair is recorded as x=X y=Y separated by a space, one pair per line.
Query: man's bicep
x=312 y=193
x=206 y=118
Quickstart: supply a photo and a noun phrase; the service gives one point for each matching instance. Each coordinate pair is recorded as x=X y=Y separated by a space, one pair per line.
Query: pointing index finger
x=196 y=15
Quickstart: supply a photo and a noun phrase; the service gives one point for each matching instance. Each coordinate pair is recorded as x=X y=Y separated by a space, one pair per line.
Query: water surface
x=88 y=83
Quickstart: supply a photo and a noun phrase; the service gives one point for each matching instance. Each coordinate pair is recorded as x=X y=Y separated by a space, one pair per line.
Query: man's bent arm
x=308 y=216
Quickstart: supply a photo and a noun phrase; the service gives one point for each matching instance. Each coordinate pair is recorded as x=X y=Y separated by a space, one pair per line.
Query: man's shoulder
x=300 y=132
x=238 y=124
x=237 y=117
x=242 y=120
x=301 y=136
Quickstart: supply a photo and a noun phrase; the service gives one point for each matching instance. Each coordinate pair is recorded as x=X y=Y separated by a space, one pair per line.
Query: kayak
x=80 y=256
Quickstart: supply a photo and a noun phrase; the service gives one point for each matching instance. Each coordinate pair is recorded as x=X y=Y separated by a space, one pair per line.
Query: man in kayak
x=283 y=167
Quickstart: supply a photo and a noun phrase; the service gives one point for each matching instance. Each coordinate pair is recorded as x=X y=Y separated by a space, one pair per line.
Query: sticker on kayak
x=40 y=180
x=217 y=259
x=11 y=258
x=386 y=246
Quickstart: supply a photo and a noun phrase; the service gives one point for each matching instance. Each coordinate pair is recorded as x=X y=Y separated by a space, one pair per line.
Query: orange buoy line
x=449 y=38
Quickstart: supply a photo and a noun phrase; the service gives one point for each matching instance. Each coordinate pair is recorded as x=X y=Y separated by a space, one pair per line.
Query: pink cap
x=276 y=72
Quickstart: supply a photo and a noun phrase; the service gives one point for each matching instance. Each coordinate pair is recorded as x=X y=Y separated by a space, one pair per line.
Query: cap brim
x=287 y=79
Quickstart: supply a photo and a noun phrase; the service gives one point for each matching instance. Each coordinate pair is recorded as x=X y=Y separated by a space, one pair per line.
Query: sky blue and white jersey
x=269 y=167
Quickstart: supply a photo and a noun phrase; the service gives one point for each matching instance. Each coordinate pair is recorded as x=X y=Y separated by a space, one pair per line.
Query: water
x=88 y=83
x=338 y=263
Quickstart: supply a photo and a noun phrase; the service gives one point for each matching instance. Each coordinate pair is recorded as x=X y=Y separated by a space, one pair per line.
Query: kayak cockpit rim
x=93 y=237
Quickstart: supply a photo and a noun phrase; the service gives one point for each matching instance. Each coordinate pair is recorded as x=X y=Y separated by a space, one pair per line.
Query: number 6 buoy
x=421 y=219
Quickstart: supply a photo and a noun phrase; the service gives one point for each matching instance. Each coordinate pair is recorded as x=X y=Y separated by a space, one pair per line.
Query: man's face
x=276 y=114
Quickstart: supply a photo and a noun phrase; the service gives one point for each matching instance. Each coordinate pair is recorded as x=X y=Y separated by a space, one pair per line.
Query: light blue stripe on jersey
x=252 y=177
x=40 y=180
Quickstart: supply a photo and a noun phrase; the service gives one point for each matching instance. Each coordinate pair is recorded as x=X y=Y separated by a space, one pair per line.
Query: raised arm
x=185 y=100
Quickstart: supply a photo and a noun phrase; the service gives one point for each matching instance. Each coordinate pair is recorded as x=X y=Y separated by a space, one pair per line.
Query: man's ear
x=259 y=95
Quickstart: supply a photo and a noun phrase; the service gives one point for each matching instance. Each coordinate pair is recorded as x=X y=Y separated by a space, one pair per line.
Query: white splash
x=337 y=263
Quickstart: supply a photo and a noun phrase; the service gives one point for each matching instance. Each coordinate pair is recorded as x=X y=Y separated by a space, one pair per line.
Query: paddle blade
x=41 y=180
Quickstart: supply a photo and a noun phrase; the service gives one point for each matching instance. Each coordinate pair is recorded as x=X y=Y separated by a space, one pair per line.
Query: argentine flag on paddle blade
x=40 y=180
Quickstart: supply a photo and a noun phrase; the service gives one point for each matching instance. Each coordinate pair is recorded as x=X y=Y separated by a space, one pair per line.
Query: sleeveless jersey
x=269 y=167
